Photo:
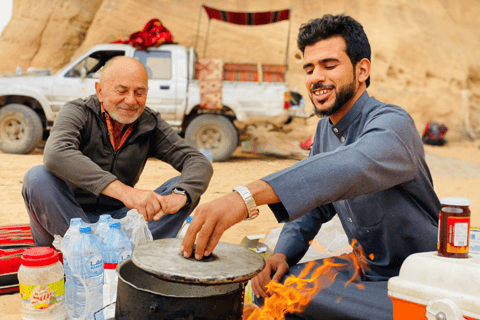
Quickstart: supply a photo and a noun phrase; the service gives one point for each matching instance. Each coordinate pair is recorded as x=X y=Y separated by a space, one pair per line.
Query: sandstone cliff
x=425 y=53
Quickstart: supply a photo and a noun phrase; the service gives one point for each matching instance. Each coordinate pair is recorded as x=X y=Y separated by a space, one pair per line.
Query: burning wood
x=296 y=293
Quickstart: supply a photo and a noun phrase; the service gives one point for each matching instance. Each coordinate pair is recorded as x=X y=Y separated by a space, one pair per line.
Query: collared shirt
x=370 y=169
x=111 y=136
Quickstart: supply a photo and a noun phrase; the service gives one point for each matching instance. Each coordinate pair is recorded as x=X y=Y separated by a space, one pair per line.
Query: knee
x=39 y=183
x=35 y=177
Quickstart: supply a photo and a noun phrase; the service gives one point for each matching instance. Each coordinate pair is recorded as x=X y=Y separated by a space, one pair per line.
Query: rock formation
x=425 y=53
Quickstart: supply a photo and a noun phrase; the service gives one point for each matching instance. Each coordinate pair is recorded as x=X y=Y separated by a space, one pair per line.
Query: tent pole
x=198 y=26
x=206 y=39
x=288 y=38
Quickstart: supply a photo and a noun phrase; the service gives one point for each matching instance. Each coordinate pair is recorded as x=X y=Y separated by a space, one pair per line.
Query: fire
x=296 y=293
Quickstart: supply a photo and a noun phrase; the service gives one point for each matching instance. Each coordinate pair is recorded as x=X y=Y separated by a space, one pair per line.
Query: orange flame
x=296 y=293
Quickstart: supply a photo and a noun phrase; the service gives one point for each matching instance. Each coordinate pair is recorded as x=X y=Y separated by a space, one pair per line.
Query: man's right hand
x=277 y=263
x=146 y=202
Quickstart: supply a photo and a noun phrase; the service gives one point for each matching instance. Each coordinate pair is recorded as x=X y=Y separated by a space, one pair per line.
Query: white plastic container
x=429 y=285
x=42 y=289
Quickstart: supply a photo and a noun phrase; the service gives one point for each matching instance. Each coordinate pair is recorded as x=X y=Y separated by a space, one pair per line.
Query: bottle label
x=124 y=255
x=457 y=237
x=94 y=265
x=42 y=297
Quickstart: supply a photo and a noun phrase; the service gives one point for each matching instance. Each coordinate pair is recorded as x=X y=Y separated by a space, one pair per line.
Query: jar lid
x=456 y=201
x=229 y=263
x=39 y=257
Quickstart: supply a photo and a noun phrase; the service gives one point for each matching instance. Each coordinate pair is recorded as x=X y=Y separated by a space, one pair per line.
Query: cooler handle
x=443 y=309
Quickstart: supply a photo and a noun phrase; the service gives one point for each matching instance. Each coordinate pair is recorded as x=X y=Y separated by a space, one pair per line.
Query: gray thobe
x=370 y=169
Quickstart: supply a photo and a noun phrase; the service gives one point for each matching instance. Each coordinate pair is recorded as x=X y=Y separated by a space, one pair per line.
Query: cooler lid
x=426 y=277
x=228 y=263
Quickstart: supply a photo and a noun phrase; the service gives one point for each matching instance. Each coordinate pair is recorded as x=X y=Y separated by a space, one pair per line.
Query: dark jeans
x=337 y=302
x=51 y=204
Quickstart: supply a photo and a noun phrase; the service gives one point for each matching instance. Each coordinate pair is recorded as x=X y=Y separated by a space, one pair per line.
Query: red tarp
x=248 y=18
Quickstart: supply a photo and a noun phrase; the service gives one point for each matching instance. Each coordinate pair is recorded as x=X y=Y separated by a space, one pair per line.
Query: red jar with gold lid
x=454 y=227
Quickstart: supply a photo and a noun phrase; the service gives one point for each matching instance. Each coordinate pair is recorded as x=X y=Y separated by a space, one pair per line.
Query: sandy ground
x=455 y=169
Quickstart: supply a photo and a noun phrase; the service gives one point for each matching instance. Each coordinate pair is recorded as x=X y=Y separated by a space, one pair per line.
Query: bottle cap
x=85 y=229
x=456 y=201
x=115 y=224
x=76 y=221
x=189 y=219
x=39 y=256
x=105 y=217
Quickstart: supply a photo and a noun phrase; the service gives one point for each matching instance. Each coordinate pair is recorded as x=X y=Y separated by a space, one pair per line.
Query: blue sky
x=5 y=13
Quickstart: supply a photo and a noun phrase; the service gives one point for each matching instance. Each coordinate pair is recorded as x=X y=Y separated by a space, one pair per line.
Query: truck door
x=162 y=92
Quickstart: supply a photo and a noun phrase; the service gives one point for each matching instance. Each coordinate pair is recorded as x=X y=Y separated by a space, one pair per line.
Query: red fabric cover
x=210 y=83
x=153 y=34
x=248 y=18
x=14 y=240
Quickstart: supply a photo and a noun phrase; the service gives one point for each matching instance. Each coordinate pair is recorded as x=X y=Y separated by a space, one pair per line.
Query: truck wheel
x=21 y=129
x=215 y=133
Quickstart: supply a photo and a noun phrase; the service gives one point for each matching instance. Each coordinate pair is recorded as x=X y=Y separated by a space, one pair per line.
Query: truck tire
x=21 y=129
x=215 y=133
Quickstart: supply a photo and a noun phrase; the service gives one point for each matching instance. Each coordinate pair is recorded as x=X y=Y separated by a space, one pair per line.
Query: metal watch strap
x=247 y=197
x=181 y=191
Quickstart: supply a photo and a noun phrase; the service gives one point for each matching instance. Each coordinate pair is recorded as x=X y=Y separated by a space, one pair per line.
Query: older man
x=96 y=152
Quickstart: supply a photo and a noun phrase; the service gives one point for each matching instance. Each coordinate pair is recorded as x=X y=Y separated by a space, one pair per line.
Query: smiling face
x=123 y=89
x=333 y=83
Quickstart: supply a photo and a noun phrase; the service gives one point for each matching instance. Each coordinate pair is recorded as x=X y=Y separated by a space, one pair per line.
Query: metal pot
x=157 y=282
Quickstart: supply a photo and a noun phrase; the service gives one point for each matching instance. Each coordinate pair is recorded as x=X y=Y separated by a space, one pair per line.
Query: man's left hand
x=170 y=204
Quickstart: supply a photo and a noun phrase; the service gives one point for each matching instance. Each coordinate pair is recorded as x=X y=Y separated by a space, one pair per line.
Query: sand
x=455 y=169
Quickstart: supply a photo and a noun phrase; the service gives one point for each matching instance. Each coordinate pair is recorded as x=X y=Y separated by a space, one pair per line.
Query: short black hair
x=330 y=26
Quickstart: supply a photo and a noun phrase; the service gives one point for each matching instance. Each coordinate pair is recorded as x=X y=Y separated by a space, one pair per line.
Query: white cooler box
x=436 y=288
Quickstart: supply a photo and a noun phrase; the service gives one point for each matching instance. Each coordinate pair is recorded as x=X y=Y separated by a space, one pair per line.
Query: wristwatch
x=181 y=191
x=252 y=209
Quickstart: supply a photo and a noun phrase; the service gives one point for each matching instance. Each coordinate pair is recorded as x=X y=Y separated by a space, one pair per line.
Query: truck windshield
x=93 y=63
x=157 y=63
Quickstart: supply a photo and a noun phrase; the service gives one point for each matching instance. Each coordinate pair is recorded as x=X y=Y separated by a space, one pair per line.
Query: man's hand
x=210 y=221
x=277 y=263
x=148 y=203
x=170 y=204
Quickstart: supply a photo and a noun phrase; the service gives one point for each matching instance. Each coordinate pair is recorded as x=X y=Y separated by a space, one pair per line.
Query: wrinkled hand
x=209 y=222
x=276 y=263
x=171 y=204
x=152 y=205
x=148 y=203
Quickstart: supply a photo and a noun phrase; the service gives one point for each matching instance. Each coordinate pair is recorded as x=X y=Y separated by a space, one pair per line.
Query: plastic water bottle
x=87 y=274
x=183 y=230
x=73 y=230
x=117 y=247
x=102 y=226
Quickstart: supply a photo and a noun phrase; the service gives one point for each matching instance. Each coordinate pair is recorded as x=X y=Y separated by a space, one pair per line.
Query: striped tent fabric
x=248 y=18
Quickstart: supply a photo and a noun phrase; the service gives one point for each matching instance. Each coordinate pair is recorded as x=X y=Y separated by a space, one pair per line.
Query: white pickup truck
x=29 y=103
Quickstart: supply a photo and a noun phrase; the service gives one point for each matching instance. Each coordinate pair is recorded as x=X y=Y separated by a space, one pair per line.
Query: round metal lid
x=228 y=263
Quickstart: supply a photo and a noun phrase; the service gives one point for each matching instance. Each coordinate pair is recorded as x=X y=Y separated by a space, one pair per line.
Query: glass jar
x=454 y=227
x=42 y=289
